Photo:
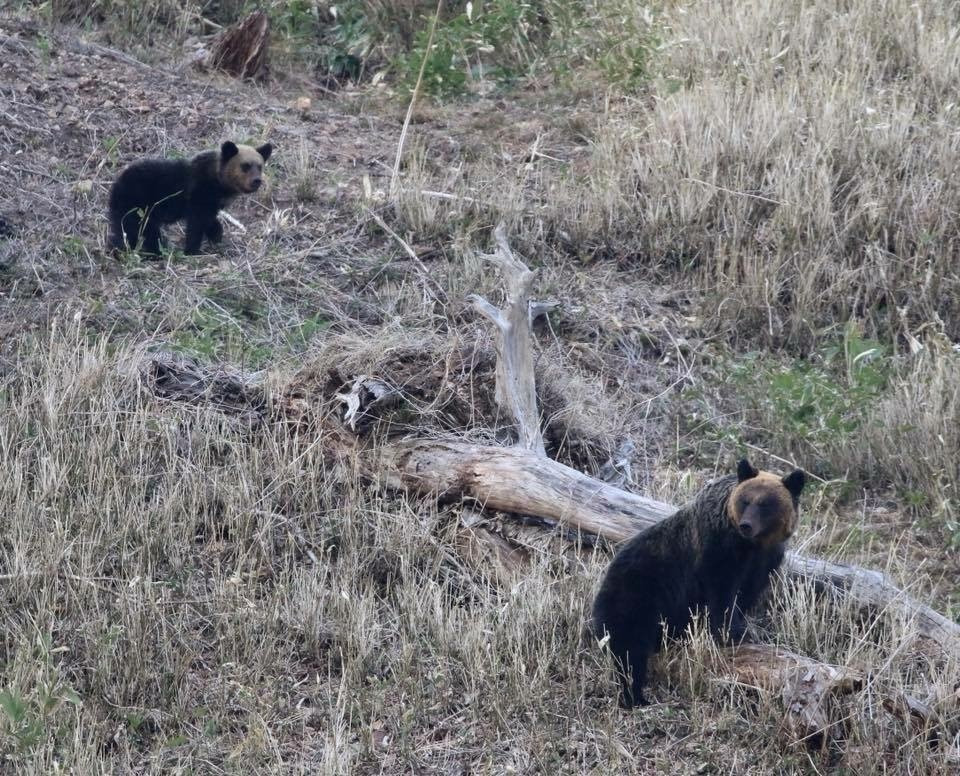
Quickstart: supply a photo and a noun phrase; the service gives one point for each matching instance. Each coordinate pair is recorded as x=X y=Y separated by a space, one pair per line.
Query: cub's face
x=763 y=506
x=241 y=166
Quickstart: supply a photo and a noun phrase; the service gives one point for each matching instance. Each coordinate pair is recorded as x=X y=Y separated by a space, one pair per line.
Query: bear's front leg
x=630 y=660
x=196 y=228
x=214 y=230
x=726 y=621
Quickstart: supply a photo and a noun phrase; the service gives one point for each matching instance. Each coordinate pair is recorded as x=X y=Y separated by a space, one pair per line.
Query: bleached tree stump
x=516 y=384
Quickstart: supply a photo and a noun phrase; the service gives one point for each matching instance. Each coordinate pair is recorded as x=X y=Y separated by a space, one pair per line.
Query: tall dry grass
x=793 y=161
x=911 y=439
x=181 y=593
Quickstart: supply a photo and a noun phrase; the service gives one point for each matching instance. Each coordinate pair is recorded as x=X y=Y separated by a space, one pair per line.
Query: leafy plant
x=347 y=44
x=618 y=39
x=488 y=40
x=28 y=715
x=810 y=406
x=824 y=396
x=212 y=334
x=502 y=40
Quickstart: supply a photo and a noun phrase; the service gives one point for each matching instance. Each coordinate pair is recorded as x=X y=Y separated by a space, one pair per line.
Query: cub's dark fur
x=153 y=192
x=715 y=554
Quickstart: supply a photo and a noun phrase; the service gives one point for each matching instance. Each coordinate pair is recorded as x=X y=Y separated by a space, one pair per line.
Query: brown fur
x=716 y=554
x=243 y=171
x=763 y=502
x=153 y=192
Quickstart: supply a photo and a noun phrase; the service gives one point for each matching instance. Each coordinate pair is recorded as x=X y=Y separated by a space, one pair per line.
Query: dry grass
x=797 y=162
x=911 y=438
x=180 y=593
x=183 y=594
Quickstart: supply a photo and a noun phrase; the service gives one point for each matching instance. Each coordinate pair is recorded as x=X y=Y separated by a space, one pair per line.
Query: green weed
x=504 y=40
x=28 y=715
x=810 y=408
x=214 y=335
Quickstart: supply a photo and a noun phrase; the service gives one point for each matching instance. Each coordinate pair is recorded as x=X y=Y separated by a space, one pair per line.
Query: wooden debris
x=241 y=49
x=521 y=480
x=804 y=685
x=516 y=385
x=486 y=549
x=364 y=395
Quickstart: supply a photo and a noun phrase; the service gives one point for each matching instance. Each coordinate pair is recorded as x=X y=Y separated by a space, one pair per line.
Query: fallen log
x=804 y=686
x=516 y=480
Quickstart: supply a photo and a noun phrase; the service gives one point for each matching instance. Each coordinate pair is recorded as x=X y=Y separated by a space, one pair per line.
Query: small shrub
x=489 y=41
x=617 y=39
x=809 y=408
x=503 y=40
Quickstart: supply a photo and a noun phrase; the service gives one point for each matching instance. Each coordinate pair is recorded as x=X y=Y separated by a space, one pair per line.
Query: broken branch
x=516 y=384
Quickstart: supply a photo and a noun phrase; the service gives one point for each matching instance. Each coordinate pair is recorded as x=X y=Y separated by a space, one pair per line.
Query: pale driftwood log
x=534 y=484
x=803 y=685
x=516 y=480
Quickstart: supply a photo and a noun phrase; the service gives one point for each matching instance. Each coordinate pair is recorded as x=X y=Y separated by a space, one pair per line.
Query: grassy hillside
x=748 y=213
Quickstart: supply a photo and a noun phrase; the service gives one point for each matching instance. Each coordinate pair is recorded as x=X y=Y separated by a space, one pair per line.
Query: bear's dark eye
x=246 y=166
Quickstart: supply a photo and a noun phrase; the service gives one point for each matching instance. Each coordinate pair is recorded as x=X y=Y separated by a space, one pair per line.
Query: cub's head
x=241 y=166
x=763 y=506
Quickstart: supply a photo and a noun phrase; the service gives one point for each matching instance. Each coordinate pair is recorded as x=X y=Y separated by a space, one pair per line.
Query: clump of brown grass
x=146 y=22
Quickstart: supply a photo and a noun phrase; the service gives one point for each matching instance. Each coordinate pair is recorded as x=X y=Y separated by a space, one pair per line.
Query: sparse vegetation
x=748 y=213
x=809 y=408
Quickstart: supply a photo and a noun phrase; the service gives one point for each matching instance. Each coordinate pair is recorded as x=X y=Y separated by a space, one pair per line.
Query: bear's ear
x=745 y=471
x=794 y=482
x=265 y=150
x=228 y=150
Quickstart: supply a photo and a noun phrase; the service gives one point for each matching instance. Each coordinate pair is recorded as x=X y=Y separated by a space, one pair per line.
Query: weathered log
x=516 y=480
x=803 y=685
x=488 y=550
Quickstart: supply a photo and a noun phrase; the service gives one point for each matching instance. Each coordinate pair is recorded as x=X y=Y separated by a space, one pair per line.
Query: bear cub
x=152 y=192
x=715 y=554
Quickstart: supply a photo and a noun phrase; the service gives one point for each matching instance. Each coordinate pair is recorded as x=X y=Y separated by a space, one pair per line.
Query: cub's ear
x=228 y=150
x=794 y=482
x=745 y=471
x=265 y=150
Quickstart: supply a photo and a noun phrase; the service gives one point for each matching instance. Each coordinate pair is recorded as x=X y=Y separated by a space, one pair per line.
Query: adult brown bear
x=715 y=554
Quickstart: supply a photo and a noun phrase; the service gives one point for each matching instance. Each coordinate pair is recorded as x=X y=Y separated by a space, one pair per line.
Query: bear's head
x=241 y=166
x=763 y=506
